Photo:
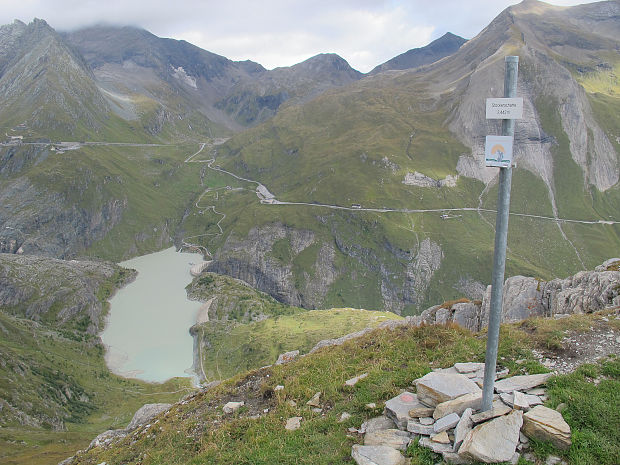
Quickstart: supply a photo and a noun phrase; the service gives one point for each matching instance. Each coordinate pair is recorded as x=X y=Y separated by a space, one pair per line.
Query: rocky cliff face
x=551 y=57
x=57 y=292
x=525 y=297
x=253 y=260
x=227 y=298
x=305 y=281
x=59 y=229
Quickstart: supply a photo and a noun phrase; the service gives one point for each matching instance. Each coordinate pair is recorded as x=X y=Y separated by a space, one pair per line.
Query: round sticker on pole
x=498 y=151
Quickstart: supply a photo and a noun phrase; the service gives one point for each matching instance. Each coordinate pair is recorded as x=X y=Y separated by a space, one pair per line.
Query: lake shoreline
x=146 y=332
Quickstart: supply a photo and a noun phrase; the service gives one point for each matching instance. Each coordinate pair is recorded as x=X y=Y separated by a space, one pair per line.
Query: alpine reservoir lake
x=147 y=330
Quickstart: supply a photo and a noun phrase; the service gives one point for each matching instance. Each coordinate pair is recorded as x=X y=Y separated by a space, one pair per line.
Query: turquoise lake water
x=147 y=331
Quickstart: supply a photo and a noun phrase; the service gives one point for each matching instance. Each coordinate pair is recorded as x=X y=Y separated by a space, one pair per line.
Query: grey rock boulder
x=521 y=383
x=522 y=298
x=435 y=388
x=146 y=413
x=232 y=407
x=287 y=357
x=377 y=455
x=494 y=441
x=394 y=438
x=545 y=424
x=108 y=437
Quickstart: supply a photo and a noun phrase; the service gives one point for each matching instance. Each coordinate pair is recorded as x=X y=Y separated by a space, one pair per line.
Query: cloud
x=278 y=32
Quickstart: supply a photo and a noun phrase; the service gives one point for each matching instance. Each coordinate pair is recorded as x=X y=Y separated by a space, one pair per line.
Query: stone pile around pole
x=444 y=414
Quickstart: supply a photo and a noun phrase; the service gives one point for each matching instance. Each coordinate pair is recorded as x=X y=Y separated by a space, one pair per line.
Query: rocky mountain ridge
x=231 y=94
x=526 y=297
x=439 y=48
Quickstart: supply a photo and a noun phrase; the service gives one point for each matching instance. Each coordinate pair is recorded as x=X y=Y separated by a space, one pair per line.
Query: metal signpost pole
x=501 y=236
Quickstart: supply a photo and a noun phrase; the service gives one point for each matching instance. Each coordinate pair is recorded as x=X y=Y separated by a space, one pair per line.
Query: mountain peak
x=436 y=50
x=325 y=60
x=326 y=64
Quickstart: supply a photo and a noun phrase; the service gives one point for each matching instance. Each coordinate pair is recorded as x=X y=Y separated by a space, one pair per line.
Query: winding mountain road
x=267 y=198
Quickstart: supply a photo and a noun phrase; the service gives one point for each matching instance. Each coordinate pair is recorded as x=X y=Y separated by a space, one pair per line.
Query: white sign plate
x=498 y=151
x=504 y=108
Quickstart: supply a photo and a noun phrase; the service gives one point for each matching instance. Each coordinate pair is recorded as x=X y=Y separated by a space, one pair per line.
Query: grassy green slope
x=355 y=146
x=115 y=201
x=232 y=299
x=198 y=432
x=56 y=392
x=233 y=348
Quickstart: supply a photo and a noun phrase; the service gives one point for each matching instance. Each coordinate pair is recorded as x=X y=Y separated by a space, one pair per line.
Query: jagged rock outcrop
x=264 y=259
x=421 y=180
x=61 y=227
x=524 y=297
x=142 y=416
x=254 y=261
x=41 y=289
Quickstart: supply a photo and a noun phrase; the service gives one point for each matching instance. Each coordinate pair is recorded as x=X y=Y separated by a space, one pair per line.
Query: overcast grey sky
x=279 y=32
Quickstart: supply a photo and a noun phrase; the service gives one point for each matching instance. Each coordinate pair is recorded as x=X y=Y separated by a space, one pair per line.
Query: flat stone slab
x=394 y=438
x=499 y=409
x=494 y=441
x=468 y=367
x=398 y=408
x=293 y=423
x=521 y=383
x=435 y=388
x=447 y=422
x=353 y=381
x=464 y=426
x=459 y=405
x=537 y=391
x=436 y=447
x=417 y=428
x=545 y=424
x=377 y=455
x=377 y=424
x=533 y=400
x=146 y=413
x=423 y=411
x=520 y=401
